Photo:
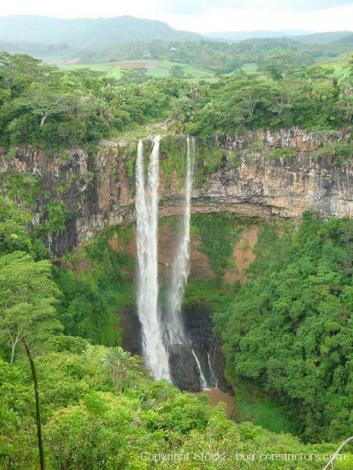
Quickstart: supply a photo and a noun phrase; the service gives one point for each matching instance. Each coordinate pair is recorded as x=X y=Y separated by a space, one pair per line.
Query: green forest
x=44 y=106
x=100 y=408
x=71 y=397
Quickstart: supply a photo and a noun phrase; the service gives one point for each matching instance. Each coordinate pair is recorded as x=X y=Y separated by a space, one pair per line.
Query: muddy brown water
x=216 y=396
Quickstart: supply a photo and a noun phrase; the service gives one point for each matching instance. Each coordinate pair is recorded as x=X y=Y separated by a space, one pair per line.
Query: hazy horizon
x=293 y=31
x=205 y=15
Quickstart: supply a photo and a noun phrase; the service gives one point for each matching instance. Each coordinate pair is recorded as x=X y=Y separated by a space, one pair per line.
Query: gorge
x=251 y=176
x=176 y=257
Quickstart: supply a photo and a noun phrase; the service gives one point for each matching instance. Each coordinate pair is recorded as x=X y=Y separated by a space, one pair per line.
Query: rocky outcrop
x=198 y=322
x=185 y=373
x=201 y=344
x=247 y=180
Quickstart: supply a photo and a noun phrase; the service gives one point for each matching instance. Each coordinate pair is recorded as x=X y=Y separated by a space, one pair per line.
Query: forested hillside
x=41 y=105
x=99 y=408
x=290 y=329
x=225 y=57
x=126 y=38
x=278 y=290
x=84 y=33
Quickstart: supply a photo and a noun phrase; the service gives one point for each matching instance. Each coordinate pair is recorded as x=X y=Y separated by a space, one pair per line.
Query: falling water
x=181 y=265
x=147 y=252
x=157 y=340
x=203 y=381
x=214 y=380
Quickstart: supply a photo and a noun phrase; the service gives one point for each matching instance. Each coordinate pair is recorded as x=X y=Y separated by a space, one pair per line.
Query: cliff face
x=248 y=179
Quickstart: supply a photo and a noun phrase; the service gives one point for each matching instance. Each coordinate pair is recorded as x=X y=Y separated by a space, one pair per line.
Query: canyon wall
x=256 y=174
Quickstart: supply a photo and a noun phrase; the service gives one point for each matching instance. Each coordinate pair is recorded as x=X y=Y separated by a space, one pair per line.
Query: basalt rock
x=185 y=373
x=248 y=180
x=202 y=343
x=131 y=330
x=183 y=368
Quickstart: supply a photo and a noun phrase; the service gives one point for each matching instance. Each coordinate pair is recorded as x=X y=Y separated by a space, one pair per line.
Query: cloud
x=193 y=7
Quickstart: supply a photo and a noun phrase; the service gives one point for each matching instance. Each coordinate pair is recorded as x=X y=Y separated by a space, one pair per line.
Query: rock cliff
x=257 y=174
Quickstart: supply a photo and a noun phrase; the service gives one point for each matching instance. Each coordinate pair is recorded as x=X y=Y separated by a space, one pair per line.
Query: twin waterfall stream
x=162 y=326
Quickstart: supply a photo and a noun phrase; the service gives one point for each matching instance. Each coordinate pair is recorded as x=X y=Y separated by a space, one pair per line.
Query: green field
x=155 y=69
x=164 y=68
x=251 y=406
x=250 y=67
x=108 y=69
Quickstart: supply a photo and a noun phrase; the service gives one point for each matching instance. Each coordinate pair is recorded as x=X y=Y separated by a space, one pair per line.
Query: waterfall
x=214 y=380
x=203 y=381
x=155 y=353
x=181 y=265
x=158 y=336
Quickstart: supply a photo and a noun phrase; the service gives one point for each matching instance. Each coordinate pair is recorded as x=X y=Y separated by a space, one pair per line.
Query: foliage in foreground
x=100 y=410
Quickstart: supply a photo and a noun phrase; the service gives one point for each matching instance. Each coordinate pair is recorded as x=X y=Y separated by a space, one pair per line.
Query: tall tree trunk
x=36 y=394
x=43 y=120
x=13 y=348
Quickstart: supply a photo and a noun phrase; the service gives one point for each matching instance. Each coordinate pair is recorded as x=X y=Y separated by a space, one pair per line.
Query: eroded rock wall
x=247 y=180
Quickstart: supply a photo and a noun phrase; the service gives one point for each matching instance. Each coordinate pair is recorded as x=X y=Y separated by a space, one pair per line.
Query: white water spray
x=214 y=380
x=156 y=339
x=203 y=381
x=181 y=265
x=155 y=354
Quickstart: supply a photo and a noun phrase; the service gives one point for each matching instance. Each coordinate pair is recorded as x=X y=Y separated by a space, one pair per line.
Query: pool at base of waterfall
x=216 y=396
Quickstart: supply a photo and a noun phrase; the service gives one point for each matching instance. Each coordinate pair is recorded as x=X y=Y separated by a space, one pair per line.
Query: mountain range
x=45 y=36
x=306 y=37
x=99 y=33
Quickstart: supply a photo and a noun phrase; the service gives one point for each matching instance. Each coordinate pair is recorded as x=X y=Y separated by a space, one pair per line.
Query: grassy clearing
x=155 y=69
x=249 y=68
x=140 y=132
x=251 y=406
x=163 y=70
x=108 y=69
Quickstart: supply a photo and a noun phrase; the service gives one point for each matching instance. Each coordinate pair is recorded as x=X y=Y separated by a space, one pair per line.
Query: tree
x=27 y=298
x=134 y=75
x=19 y=71
x=296 y=342
x=177 y=71
x=13 y=227
x=36 y=396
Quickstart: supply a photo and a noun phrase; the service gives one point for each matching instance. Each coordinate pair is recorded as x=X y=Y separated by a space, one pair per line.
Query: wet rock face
x=131 y=331
x=183 y=368
x=201 y=342
x=201 y=355
x=99 y=189
x=198 y=322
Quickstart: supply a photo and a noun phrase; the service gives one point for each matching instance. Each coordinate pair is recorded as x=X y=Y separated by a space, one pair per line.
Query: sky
x=203 y=15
